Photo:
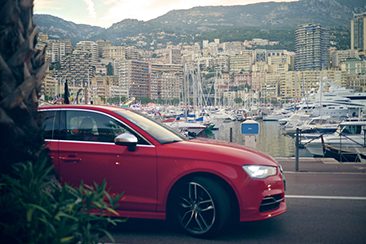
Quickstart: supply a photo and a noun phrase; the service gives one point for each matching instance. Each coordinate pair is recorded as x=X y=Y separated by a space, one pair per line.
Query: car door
x=88 y=154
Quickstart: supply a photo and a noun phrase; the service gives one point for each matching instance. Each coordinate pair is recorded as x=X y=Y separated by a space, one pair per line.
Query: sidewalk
x=325 y=165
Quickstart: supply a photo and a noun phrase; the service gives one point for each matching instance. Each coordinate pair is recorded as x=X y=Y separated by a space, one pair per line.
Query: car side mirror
x=126 y=139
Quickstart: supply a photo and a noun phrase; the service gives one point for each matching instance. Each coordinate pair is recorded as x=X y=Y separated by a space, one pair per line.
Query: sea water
x=270 y=140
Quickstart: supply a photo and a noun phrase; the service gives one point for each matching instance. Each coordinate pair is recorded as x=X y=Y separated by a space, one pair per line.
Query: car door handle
x=70 y=159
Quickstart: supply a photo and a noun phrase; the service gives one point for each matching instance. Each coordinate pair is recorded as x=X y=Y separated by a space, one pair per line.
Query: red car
x=199 y=184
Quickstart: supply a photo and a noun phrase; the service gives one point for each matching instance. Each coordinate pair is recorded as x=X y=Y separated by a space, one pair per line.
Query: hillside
x=272 y=20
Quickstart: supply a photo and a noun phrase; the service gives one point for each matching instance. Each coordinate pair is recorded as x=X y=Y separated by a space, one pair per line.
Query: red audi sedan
x=201 y=185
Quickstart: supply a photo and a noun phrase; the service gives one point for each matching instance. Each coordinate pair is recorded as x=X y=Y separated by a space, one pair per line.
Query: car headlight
x=260 y=171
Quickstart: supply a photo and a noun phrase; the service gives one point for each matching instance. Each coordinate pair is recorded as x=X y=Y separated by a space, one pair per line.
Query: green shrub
x=35 y=208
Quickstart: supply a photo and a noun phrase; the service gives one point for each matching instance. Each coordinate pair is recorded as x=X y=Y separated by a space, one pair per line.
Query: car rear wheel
x=200 y=206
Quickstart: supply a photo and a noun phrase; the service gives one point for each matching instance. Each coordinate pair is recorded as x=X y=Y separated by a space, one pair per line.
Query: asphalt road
x=323 y=207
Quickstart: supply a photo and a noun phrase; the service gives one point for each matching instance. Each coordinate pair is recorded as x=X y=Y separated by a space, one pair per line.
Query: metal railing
x=340 y=151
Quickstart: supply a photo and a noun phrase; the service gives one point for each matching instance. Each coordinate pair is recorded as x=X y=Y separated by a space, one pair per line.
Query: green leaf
x=35 y=206
x=66 y=239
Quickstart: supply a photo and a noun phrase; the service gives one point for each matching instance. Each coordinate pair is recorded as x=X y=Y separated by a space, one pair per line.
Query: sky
x=106 y=12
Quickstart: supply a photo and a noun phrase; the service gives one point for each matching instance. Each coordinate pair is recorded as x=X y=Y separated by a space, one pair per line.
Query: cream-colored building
x=50 y=86
x=134 y=78
x=299 y=83
x=90 y=47
x=101 y=44
x=338 y=57
x=114 y=52
x=57 y=49
x=166 y=81
x=241 y=62
x=103 y=87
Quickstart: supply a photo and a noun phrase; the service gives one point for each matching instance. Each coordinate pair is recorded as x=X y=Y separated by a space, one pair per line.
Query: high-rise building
x=175 y=56
x=90 y=47
x=134 y=77
x=166 y=81
x=312 y=44
x=358 y=32
x=101 y=44
x=76 y=68
x=57 y=49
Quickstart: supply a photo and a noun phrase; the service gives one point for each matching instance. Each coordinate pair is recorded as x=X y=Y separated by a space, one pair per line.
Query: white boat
x=318 y=125
x=349 y=135
x=277 y=115
x=295 y=120
x=337 y=102
x=221 y=115
x=192 y=128
x=335 y=109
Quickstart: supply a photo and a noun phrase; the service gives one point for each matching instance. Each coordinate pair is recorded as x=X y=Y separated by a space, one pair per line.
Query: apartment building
x=134 y=78
x=101 y=44
x=175 y=56
x=103 y=87
x=114 y=52
x=57 y=49
x=50 y=86
x=241 y=62
x=166 y=81
x=312 y=44
x=77 y=68
x=278 y=61
x=358 y=32
x=90 y=47
x=337 y=57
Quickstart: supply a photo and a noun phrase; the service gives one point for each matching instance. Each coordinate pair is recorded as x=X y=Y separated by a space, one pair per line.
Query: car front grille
x=271 y=202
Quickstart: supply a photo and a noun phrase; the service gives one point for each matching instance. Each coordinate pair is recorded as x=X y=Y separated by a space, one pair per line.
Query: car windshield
x=158 y=131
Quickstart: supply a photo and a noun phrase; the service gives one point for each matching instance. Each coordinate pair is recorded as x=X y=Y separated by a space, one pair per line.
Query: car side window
x=81 y=126
x=91 y=126
x=49 y=124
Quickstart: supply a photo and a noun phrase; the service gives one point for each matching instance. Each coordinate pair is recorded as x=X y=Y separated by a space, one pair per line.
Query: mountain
x=61 y=29
x=271 y=20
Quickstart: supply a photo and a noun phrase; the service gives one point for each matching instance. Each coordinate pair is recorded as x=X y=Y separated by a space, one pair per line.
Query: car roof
x=82 y=106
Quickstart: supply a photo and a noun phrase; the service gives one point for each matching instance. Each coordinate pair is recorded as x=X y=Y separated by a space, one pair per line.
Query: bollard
x=297 y=143
x=231 y=134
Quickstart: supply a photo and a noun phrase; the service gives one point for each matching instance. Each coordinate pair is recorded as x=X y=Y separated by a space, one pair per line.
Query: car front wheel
x=200 y=206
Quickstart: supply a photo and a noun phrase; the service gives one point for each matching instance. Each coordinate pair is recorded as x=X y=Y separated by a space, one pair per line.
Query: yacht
x=315 y=125
x=350 y=137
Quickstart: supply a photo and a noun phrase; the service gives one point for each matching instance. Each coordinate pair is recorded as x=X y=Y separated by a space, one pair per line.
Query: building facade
x=312 y=44
x=166 y=81
x=358 y=32
x=134 y=78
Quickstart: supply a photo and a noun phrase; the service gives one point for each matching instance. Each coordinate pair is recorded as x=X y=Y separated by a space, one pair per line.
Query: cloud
x=91 y=8
x=111 y=2
x=46 y=5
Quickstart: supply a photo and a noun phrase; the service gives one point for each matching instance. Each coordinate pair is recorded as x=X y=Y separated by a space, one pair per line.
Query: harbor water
x=270 y=139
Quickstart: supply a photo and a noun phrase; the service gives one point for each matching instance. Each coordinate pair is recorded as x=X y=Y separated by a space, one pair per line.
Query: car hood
x=220 y=151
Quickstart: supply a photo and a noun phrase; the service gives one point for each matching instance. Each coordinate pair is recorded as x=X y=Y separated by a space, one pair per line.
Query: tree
x=238 y=100
x=22 y=68
x=35 y=208
x=110 y=70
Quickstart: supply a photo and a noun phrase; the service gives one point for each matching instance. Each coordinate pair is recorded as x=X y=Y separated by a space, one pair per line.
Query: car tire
x=200 y=206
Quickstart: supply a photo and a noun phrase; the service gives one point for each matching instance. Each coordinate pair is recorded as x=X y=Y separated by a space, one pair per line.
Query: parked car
x=201 y=185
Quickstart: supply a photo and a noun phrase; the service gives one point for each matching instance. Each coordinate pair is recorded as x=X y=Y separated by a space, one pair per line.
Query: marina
x=270 y=139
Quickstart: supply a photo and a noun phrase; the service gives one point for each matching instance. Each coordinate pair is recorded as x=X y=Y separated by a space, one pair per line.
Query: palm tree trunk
x=22 y=68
